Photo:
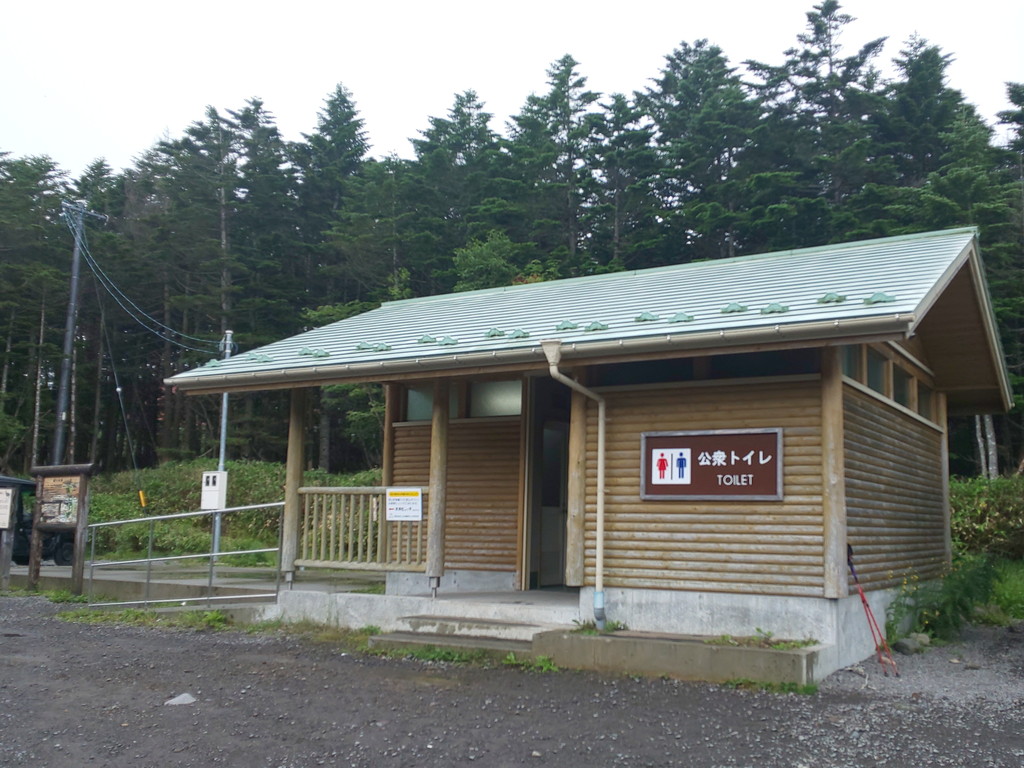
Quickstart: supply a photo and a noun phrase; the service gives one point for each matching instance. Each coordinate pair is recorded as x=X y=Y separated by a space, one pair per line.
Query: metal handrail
x=211 y=556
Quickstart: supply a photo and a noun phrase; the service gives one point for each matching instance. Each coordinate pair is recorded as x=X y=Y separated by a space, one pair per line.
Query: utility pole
x=75 y=214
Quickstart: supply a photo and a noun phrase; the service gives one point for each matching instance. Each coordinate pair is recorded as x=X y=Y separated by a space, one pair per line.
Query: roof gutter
x=888 y=326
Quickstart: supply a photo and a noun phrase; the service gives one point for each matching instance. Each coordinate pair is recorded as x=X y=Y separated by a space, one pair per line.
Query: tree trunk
x=7 y=357
x=992 y=460
x=982 y=453
x=39 y=387
x=324 y=460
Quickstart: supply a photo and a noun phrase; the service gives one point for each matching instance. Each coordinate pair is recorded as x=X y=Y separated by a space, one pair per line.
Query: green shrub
x=988 y=515
x=940 y=608
x=1009 y=590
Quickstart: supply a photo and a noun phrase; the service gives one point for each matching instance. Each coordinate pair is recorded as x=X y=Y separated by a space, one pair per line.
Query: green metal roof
x=878 y=286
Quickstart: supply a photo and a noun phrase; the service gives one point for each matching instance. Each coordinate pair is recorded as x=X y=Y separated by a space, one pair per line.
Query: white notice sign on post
x=403 y=505
x=6 y=507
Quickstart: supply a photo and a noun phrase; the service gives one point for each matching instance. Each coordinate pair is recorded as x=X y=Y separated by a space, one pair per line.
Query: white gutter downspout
x=553 y=352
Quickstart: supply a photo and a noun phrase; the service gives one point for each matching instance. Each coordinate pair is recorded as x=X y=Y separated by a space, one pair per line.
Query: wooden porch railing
x=345 y=528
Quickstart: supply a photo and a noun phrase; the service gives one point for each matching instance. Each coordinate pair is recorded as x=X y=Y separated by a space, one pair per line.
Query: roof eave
x=820 y=332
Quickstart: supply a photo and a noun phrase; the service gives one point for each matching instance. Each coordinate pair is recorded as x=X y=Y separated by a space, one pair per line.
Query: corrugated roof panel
x=606 y=307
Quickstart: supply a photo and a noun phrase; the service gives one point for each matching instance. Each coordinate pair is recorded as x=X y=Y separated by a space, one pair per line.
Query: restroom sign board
x=727 y=465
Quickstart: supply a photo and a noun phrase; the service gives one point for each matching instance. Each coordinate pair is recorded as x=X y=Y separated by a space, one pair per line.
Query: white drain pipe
x=553 y=352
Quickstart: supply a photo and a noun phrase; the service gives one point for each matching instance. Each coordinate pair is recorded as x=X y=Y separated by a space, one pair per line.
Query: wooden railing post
x=293 y=480
x=576 y=492
x=438 y=483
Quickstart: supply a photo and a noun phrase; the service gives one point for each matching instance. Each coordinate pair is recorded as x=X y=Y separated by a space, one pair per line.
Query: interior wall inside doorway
x=547 y=478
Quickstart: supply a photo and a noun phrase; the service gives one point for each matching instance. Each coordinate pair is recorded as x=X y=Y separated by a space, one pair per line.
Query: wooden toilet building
x=693 y=447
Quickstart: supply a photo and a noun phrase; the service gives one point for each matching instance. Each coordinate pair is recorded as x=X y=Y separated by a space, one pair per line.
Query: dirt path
x=76 y=695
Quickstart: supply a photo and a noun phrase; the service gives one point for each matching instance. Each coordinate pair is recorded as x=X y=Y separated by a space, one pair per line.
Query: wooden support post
x=81 y=534
x=942 y=419
x=833 y=468
x=391 y=411
x=576 y=492
x=292 y=482
x=438 y=487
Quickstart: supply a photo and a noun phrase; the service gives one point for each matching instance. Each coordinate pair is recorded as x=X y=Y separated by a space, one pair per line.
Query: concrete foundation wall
x=391 y=612
x=414 y=583
x=839 y=625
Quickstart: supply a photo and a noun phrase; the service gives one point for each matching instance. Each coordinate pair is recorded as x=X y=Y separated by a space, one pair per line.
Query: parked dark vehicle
x=58 y=546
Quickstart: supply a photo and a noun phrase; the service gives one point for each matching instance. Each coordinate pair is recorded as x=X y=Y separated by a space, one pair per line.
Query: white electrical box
x=215 y=490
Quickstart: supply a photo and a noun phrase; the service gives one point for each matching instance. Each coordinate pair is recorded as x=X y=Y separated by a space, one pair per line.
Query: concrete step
x=461 y=626
x=491 y=647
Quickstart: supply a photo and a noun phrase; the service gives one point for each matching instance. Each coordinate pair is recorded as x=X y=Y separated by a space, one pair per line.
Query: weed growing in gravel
x=211 y=620
x=203 y=620
x=65 y=596
x=352 y=640
x=447 y=655
x=54 y=596
x=743 y=684
x=131 y=616
x=538 y=664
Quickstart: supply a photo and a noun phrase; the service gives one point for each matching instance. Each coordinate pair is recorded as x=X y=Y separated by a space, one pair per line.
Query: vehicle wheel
x=64 y=553
x=20 y=559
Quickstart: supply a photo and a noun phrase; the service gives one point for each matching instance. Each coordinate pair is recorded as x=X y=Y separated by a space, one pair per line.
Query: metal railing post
x=149 y=557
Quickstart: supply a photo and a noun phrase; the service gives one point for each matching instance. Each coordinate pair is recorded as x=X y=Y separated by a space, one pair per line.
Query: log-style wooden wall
x=767 y=547
x=895 y=498
x=482 y=509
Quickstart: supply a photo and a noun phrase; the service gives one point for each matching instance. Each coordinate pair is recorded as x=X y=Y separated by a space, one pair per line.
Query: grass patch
x=372 y=589
x=1009 y=589
x=135 y=617
x=538 y=664
x=743 y=684
x=65 y=596
x=349 y=640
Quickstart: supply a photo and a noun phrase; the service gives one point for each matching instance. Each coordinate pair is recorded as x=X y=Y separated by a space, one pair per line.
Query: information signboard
x=59 y=501
x=729 y=465
x=403 y=505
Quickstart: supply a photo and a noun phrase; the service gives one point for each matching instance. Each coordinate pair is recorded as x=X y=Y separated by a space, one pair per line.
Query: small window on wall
x=419 y=402
x=902 y=383
x=876 y=371
x=495 y=398
x=925 y=401
x=850 y=357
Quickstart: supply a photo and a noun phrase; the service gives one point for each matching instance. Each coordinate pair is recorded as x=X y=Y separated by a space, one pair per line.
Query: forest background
x=230 y=227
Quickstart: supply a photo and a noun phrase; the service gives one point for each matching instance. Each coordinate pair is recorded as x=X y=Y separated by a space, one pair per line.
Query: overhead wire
x=124 y=417
x=140 y=316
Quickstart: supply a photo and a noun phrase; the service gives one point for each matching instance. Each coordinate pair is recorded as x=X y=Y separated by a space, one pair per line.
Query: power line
x=140 y=316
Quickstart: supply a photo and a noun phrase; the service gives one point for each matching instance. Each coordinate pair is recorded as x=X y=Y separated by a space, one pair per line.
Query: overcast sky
x=83 y=80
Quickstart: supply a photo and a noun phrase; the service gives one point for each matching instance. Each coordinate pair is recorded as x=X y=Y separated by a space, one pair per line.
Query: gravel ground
x=79 y=695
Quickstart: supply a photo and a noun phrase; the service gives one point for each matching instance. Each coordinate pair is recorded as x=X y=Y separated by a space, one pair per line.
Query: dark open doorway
x=548 y=475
